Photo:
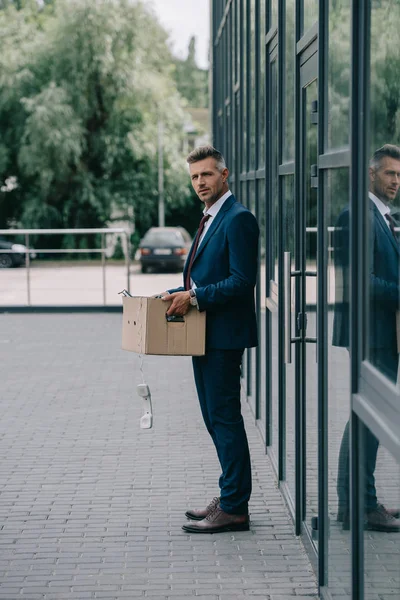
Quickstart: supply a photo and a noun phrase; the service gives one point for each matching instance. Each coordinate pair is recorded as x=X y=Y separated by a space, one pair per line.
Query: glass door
x=299 y=308
x=308 y=312
x=273 y=261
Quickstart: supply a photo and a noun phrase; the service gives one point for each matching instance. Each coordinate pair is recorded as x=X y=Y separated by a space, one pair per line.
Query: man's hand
x=180 y=303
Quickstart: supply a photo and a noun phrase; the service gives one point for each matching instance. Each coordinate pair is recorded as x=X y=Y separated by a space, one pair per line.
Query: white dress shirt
x=213 y=211
x=381 y=206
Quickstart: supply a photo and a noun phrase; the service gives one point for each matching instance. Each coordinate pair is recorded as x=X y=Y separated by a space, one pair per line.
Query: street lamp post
x=161 y=207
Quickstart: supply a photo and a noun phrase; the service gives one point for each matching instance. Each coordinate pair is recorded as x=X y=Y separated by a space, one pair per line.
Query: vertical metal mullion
x=267 y=153
x=248 y=143
x=257 y=144
x=360 y=60
x=241 y=95
x=248 y=87
x=322 y=304
x=302 y=305
x=281 y=329
x=269 y=232
x=233 y=93
x=212 y=79
x=231 y=53
x=298 y=348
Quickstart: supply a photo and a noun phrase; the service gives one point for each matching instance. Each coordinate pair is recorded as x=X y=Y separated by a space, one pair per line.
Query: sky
x=183 y=19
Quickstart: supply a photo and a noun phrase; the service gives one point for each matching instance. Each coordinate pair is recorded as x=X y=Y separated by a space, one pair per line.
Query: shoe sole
x=244 y=527
x=193 y=517
x=346 y=527
x=382 y=528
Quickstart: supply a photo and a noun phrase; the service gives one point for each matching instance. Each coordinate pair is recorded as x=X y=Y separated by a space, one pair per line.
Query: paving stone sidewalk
x=92 y=506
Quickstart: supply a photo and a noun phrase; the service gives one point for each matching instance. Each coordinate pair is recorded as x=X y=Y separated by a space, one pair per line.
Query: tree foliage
x=192 y=81
x=82 y=87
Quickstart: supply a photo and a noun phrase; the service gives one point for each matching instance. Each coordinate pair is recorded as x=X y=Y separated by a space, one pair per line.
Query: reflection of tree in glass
x=339 y=73
x=385 y=69
x=290 y=52
x=385 y=75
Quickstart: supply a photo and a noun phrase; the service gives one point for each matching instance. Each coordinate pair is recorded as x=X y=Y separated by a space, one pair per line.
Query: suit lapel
x=215 y=223
x=385 y=228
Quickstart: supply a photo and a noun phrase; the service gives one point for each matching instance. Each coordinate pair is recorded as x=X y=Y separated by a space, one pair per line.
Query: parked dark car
x=15 y=257
x=164 y=248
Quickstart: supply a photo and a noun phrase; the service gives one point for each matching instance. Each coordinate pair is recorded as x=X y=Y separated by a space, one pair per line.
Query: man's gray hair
x=389 y=150
x=208 y=151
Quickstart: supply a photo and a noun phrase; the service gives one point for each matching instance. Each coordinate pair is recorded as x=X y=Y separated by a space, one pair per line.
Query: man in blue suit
x=384 y=263
x=219 y=277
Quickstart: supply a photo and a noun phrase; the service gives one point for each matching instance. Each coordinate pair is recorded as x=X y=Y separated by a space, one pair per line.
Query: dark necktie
x=195 y=246
x=392 y=224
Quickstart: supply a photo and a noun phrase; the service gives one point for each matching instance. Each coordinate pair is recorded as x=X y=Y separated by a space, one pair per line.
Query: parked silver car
x=164 y=248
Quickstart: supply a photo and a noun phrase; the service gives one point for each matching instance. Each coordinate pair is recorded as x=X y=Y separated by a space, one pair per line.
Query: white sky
x=183 y=19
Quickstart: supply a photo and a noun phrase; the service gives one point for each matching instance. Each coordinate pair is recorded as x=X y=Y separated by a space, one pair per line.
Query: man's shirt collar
x=381 y=206
x=216 y=207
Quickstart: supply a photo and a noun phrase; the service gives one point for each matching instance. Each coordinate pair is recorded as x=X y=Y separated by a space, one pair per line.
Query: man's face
x=385 y=180
x=208 y=182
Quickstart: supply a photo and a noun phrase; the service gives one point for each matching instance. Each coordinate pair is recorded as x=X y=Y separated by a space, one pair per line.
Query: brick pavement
x=92 y=507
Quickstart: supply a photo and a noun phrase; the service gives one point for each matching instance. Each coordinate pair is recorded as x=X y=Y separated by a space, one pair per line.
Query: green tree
x=192 y=81
x=83 y=85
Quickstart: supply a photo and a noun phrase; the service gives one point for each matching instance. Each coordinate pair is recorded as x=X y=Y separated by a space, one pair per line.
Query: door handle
x=287 y=303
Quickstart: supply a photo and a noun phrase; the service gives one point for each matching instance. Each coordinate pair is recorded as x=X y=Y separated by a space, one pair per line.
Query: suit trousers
x=387 y=363
x=217 y=378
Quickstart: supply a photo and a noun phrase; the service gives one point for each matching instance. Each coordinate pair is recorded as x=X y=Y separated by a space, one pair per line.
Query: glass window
x=337 y=134
x=243 y=193
x=382 y=526
x=252 y=84
x=337 y=193
x=288 y=119
x=384 y=183
x=274 y=169
x=288 y=220
x=273 y=23
x=311 y=366
x=310 y=14
x=261 y=91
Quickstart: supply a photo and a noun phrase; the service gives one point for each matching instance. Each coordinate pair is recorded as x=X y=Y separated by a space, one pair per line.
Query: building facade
x=303 y=93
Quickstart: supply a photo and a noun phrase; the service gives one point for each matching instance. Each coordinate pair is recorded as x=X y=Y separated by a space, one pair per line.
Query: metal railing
x=102 y=250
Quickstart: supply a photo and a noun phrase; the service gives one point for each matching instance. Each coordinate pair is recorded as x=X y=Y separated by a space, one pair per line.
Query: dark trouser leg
x=371 y=445
x=387 y=363
x=198 y=362
x=343 y=481
x=217 y=376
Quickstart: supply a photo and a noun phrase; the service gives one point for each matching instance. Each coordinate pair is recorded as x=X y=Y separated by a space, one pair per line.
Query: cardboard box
x=145 y=329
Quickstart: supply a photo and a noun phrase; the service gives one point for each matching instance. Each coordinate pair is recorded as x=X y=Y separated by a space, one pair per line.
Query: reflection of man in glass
x=384 y=177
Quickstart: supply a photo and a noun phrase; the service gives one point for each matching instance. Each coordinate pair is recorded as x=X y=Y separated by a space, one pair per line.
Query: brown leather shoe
x=198 y=515
x=218 y=521
x=382 y=519
x=343 y=515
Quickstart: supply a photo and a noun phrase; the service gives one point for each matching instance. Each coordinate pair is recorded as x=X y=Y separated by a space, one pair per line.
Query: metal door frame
x=307 y=73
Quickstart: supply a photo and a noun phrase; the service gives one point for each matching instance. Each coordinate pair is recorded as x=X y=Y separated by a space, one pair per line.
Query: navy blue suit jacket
x=384 y=282
x=225 y=272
